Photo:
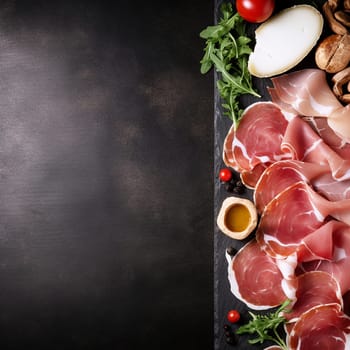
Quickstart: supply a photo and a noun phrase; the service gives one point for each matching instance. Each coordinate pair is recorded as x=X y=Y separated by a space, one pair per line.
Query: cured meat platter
x=226 y=247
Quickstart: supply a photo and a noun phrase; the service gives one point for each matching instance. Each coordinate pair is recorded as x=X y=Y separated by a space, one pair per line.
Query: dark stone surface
x=223 y=298
x=106 y=173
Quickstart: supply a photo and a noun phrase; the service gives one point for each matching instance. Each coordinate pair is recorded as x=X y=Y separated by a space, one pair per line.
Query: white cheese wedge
x=284 y=40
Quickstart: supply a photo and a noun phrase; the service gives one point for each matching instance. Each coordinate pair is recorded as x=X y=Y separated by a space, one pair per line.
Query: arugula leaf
x=227 y=50
x=266 y=326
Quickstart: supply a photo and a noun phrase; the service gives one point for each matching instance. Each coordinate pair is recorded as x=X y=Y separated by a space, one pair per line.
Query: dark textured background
x=106 y=173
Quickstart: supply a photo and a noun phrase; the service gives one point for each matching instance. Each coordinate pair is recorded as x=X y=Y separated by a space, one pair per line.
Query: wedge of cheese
x=284 y=40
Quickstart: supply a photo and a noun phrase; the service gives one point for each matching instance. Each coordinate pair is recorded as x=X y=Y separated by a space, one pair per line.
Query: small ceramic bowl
x=237 y=217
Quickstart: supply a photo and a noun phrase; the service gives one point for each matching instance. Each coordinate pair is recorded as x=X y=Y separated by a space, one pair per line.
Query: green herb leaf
x=206 y=63
x=266 y=326
x=227 y=50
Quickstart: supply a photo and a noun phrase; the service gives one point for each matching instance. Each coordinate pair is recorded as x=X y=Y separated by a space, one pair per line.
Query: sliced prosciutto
x=330 y=188
x=339 y=263
x=314 y=288
x=228 y=156
x=257 y=141
x=280 y=175
x=339 y=121
x=250 y=178
x=303 y=142
x=336 y=143
x=306 y=91
x=308 y=94
x=255 y=278
x=294 y=214
x=295 y=153
x=324 y=327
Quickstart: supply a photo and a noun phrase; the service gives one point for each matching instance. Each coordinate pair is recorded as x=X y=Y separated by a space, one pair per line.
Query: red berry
x=225 y=174
x=233 y=316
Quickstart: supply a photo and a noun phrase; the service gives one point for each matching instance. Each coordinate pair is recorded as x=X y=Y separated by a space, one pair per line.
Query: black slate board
x=223 y=298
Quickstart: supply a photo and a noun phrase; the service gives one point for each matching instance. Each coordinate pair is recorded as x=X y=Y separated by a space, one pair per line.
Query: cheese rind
x=284 y=40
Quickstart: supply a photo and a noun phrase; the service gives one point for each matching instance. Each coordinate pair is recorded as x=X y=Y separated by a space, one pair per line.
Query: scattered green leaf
x=266 y=326
x=227 y=49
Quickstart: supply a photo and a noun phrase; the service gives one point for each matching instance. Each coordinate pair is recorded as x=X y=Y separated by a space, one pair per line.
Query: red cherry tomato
x=255 y=11
x=225 y=174
x=233 y=316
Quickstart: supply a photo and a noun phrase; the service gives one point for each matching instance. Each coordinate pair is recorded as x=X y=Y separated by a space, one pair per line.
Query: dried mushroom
x=340 y=80
x=333 y=53
x=334 y=24
x=334 y=4
x=343 y=18
x=346 y=4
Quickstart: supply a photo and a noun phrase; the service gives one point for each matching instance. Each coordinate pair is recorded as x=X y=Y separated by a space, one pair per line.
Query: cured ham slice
x=314 y=288
x=339 y=264
x=336 y=143
x=346 y=303
x=295 y=153
x=257 y=141
x=294 y=214
x=228 y=156
x=322 y=327
x=280 y=175
x=307 y=91
x=287 y=108
x=333 y=190
x=306 y=145
x=255 y=278
x=318 y=244
x=339 y=120
x=250 y=178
